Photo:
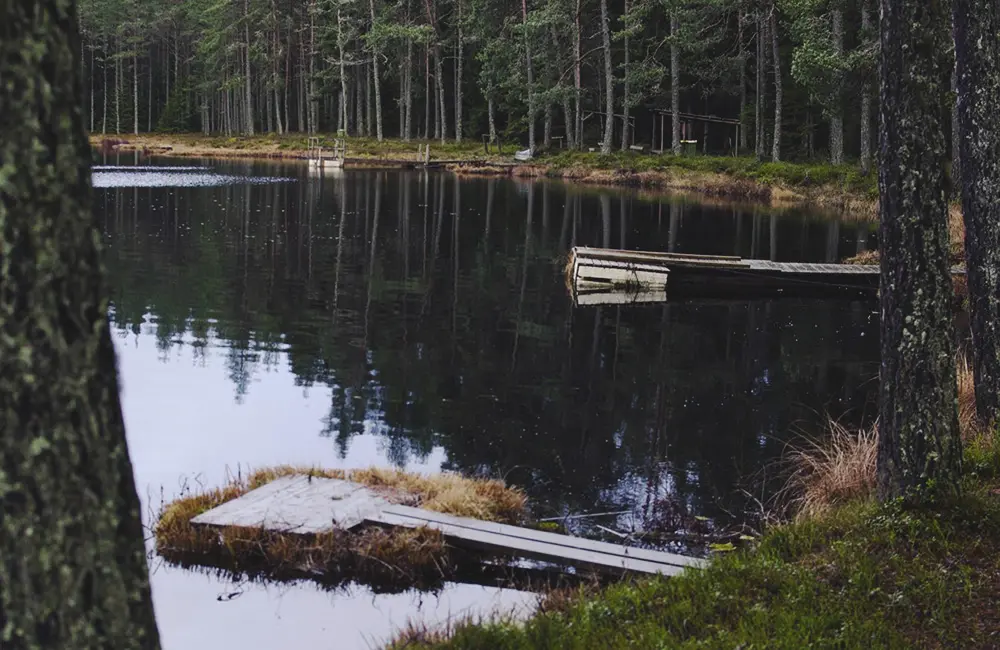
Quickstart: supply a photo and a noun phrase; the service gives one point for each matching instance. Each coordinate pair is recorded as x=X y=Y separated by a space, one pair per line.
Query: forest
x=796 y=76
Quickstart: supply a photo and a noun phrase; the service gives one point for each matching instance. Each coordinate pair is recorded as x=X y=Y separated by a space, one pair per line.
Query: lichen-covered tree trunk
x=978 y=79
x=72 y=563
x=919 y=445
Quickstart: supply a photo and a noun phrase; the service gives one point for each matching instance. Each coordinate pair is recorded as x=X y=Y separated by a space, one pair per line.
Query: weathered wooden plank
x=298 y=504
x=601 y=296
x=553 y=541
x=309 y=505
x=479 y=539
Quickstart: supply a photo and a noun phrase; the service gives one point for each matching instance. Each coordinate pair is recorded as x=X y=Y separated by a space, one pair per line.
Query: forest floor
x=842 y=187
x=861 y=575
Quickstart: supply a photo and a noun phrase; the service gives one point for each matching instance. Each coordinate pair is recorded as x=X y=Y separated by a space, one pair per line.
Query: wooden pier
x=603 y=270
x=310 y=505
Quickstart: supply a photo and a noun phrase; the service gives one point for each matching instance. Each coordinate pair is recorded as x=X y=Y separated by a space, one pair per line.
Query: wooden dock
x=603 y=270
x=310 y=505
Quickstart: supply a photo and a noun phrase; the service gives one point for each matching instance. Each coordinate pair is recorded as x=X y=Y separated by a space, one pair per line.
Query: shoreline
x=652 y=173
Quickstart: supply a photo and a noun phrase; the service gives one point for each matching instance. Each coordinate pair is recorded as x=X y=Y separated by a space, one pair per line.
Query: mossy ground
x=387 y=558
x=862 y=576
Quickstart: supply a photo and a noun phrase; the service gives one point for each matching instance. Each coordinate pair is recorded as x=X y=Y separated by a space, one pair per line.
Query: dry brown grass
x=832 y=471
x=841 y=467
x=387 y=557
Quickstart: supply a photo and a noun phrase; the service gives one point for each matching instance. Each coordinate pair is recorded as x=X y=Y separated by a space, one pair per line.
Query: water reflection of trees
x=433 y=329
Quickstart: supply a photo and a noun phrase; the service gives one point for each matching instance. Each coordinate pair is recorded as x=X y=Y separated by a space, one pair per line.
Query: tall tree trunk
x=759 y=97
x=675 y=85
x=90 y=77
x=837 y=118
x=491 y=117
x=368 y=101
x=311 y=95
x=135 y=93
x=458 y=74
x=866 y=97
x=743 y=83
x=375 y=81
x=73 y=568
x=442 y=108
x=976 y=25
x=918 y=443
x=625 y=89
x=956 y=149
x=248 y=106
x=104 y=88
x=568 y=119
x=343 y=73
x=427 y=93
x=302 y=86
x=577 y=73
x=530 y=78
x=118 y=86
x=778 y=91
x=408 y=125
x=609 y=89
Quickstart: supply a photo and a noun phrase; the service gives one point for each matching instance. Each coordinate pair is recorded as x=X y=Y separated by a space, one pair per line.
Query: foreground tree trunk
x=919 y=446
x=978 y=79
x=72 y=562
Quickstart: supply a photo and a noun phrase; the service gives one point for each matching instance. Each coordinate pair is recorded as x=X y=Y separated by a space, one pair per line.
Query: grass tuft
x=834 y=470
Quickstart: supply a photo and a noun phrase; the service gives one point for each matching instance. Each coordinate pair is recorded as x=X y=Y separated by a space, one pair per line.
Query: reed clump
x=389 y=558
x=841 y=466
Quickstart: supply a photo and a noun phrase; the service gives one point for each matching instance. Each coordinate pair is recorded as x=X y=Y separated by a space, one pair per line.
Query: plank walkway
x=310 y=505
x=598 y=270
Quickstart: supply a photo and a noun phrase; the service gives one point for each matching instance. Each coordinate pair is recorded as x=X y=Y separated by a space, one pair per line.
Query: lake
x=421 y=320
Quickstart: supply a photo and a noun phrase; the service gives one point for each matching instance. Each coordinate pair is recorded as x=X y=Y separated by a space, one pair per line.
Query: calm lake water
x=422 y=321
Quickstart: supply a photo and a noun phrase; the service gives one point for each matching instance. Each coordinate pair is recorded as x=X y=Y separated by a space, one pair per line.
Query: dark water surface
x=418 y=320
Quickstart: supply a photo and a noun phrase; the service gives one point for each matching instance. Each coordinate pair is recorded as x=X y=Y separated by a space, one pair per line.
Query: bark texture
x=978 y=79
x=919 y=447
x=72 y=563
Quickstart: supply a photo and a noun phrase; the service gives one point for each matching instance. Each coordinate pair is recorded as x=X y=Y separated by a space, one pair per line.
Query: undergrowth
x=862 y=576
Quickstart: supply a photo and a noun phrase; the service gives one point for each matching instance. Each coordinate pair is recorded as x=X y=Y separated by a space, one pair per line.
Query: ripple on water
x=103 y=179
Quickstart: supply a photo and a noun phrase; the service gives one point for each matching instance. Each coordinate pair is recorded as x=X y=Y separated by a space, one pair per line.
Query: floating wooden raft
x=310 y=505
x=603 y=270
